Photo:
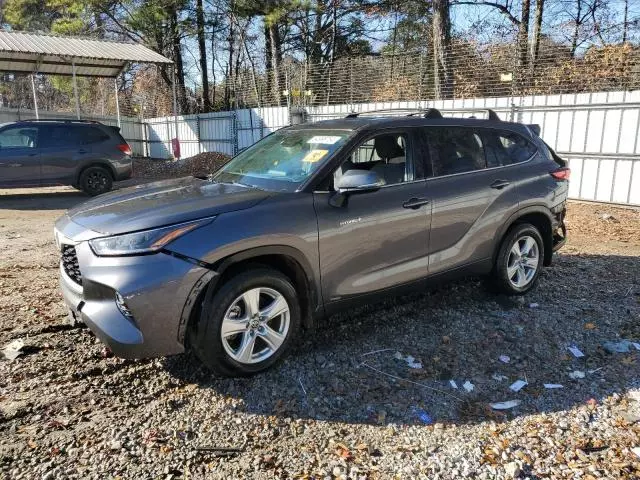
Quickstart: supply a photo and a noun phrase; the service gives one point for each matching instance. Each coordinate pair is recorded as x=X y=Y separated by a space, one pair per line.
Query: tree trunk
x=537 y=32
x=523 y=33
x=206 y=100
x=576 y=29
x=273 y=45
x=176 y=48
x=625 y=22
x=229 y=80
x=441 y=32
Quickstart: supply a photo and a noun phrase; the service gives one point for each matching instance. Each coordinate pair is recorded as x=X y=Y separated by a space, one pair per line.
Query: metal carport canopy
x=59 y=55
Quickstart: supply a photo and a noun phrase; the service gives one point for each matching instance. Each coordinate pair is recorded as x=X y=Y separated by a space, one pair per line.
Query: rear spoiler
x=117 y=129
x=534 y=128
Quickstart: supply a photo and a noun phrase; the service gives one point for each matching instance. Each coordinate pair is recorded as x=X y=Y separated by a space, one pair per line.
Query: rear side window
x=455 y=150
x=506 y=148
x=72 y=135
x=89 y=135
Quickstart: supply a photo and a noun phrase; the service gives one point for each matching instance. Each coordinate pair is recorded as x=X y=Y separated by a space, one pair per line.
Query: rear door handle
x=415 y=202
x=82 y=150
x=499 y=184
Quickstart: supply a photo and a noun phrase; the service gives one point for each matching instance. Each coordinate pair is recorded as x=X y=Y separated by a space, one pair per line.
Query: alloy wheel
x=523 y=260
x=255 y=325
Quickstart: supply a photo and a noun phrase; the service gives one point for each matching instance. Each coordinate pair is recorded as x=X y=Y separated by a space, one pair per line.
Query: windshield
x=283 y=160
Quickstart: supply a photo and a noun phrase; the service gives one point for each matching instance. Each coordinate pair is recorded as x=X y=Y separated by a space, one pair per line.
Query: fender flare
x=82 y=168
x=538 y=208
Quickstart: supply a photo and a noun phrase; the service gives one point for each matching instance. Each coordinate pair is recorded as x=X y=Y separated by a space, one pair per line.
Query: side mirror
x=359 y=181
x=355 y=181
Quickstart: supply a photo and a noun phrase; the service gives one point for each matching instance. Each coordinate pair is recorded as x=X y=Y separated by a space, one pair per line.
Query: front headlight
x=146 y=241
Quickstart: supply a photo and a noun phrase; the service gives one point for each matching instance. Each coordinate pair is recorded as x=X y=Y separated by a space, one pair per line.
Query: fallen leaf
x=590 y=326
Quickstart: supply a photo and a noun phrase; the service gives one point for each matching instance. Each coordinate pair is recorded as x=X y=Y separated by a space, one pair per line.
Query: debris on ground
x=409 y=360
x=518 y=385
x=453 y=384
x=505 y=405
x=498 y=377
x=552 y=386
x=13 y=350
x=533 y=305
x=622 y=346
x=575 y=351
x=422 y=415
x=505 y=358
x=576 y=374
x=468 y=386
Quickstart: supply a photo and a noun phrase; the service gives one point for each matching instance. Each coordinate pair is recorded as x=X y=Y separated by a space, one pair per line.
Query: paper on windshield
x=324 y=139
x=314 y=156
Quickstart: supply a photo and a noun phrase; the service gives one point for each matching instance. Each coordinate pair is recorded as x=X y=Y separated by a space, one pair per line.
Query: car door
x=19 y=156
x=379 y=239
x=65 y=147
x=470 y=199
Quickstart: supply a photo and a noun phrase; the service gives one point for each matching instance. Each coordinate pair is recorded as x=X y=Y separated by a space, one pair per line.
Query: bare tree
x=202 y=47
x=537 y=32
x=442 y=69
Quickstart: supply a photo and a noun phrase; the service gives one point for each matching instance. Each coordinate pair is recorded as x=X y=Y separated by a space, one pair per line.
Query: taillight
x=561 y=173
x=124 y=148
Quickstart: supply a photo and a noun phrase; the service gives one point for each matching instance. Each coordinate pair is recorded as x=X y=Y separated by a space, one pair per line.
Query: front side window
x=283 y=160
x=18 y=137
x=455 y=150
x=387 y=154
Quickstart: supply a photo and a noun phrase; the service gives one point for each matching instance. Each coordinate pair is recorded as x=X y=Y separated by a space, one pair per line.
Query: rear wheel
x=95 y=180
x=248 y=324
x=519 y=260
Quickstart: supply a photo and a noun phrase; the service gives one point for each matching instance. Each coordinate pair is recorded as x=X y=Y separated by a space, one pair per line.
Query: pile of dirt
x=198 y=165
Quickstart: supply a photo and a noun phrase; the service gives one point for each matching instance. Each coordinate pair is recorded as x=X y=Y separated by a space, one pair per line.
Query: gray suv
x=87 y=155
x=312 y=219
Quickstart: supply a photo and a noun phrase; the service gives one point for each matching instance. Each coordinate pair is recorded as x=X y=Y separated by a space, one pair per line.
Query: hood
x=162 y=203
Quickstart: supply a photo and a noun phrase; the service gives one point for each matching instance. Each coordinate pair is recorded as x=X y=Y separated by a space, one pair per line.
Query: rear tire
x=248 y=324
x=95 y=180
x=519 y=261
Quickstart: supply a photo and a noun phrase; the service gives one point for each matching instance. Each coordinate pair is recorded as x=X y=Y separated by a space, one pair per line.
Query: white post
x=175 y=102
x=115 y=84
x=75 y=90
x=35 y=98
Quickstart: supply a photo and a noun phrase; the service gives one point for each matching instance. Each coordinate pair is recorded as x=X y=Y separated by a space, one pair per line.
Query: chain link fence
x=471 y=70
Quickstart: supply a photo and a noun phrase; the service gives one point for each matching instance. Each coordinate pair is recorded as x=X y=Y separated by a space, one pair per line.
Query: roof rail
x=382 y=110
x=66 y=120
x=491 y=114
x=426 y=112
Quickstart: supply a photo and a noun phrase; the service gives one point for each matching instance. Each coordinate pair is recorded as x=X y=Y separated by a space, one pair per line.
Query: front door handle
x=499 y=184
x=82 y=150
x=415 y=202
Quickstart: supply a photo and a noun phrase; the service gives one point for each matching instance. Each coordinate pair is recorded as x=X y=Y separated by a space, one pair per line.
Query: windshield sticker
x=324 y=139
x=314 y=156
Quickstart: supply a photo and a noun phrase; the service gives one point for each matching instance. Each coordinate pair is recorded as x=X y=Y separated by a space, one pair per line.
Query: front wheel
x=519 y=260
x=249 y=323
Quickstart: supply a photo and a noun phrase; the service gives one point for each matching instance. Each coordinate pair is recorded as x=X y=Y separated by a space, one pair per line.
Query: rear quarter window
x=506 y=148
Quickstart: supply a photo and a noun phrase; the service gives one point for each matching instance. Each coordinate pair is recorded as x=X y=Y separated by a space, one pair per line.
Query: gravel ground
x=341 y=405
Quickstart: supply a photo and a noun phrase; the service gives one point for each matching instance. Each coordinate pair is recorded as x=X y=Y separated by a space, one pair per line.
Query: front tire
x=248 y=324
x=519 y=261
x=95 y=180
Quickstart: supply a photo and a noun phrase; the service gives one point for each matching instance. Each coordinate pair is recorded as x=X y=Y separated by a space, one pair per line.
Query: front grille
x=70 y=263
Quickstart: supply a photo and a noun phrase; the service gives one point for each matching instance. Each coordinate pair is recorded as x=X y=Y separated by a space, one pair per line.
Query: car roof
x=366 y=122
